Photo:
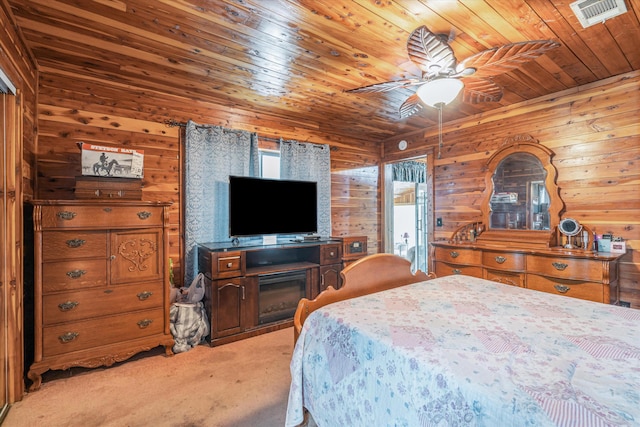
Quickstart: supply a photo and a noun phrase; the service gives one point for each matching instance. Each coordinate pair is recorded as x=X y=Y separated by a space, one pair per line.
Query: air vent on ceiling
x=590 y=12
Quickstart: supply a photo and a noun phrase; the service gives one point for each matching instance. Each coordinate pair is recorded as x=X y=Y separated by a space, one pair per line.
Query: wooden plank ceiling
x=295 y=58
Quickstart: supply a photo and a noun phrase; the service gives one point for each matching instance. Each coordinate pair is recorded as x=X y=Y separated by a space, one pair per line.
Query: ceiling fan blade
x=411 y=106
x=386 y=86
x=481 y=90
x=429 y=52
x=499 y=60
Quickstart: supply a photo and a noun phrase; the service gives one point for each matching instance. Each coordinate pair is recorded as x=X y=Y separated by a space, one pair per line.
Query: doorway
x=408 y=211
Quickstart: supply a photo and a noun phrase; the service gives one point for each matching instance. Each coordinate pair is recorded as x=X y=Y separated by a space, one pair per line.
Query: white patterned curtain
x=212 y=154
x=310 y=162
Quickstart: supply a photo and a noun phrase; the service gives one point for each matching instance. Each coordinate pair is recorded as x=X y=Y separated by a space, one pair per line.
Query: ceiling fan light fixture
x=439 y=91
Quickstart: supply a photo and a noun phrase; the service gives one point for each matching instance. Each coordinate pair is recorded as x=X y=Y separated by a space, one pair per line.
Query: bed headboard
x=373 y=273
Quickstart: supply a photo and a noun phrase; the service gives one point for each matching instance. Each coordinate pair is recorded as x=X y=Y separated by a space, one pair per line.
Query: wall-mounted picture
x=118 y=162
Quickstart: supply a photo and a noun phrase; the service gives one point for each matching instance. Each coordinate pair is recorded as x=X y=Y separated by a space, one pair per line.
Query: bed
x=458 y=350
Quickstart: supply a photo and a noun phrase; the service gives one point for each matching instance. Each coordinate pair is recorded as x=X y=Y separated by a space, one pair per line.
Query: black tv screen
x=260 y=206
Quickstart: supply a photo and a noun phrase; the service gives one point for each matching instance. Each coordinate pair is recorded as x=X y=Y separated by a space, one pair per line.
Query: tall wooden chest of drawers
x=101 y=283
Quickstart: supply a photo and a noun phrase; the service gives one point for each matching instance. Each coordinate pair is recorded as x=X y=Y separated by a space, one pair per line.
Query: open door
x=407 y=211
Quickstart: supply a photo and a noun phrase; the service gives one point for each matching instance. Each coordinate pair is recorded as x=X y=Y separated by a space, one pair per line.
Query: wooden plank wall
x=94 y=110
x=17 y=64
x=594 y=131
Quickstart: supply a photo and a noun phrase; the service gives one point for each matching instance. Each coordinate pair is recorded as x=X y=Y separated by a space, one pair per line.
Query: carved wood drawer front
x=572 y=288
x=230 y=263
x=330 y=254
x=97 y=216
x=62 y=245
x=459 y=255
x=504 y=260
x=566 y=268
x=72 y=306
x=447 y=269
x=70 y=275
x=505 y=277
x=86 y=334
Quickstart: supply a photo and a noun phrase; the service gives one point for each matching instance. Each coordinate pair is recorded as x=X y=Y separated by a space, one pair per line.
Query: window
x=269 y=164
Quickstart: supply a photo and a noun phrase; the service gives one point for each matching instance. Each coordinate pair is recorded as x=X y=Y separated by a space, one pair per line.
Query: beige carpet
x=245 y=383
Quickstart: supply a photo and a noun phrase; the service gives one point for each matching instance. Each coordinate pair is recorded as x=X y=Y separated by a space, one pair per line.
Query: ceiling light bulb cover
x=440 y=91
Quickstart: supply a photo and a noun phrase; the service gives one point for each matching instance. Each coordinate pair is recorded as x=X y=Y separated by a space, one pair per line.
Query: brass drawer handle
x=500 y=259
x=144 y=214
x=144 y=323
x=74 y=274
x=75 y=243
x=68 y=337
x=456 y=271
x=559 y=265
x=144 y=295
x=66 y=215
x=67 y=306
x=562 y=288
x=454 y=254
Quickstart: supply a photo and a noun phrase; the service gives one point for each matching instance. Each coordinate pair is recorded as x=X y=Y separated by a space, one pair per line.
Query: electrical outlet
x=625 y=304
x=439 y=222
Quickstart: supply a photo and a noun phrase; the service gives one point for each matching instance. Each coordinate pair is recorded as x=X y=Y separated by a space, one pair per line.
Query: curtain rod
x=173 y=123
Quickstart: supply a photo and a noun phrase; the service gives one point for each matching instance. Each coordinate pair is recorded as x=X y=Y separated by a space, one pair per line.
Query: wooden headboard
x=373 y=273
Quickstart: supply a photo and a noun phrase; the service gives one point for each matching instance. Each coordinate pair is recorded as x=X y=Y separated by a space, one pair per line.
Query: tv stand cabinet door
x=228 y=307
x=330 y=276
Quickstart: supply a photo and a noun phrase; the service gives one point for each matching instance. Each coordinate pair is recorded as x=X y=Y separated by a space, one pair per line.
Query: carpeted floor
x=245 y=383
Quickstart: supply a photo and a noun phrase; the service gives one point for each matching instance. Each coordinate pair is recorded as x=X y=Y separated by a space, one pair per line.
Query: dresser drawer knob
x=67 y=306
x=332 y=254
x=144 y=295
x=68 y=337
x=66 y=215
x=144 y=214
x=144 y=323
x=500 y=259
x=75 y=274
x=562 y=288
x=456 y=271
x=559 y=265
x=75 y=243
x=454 y=254
x=229 y=264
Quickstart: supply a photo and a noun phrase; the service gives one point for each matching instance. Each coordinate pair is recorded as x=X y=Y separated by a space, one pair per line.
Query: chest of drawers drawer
x=85 y=334
x=565 y=268
x=73 y=306
x=458 y=255
x=572 y=288
x=108 y=216
x=504 y=260
x=76 y=274
x=61 y=245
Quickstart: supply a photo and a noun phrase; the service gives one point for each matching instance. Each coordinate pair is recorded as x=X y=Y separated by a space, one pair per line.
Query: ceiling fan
x=442 y=72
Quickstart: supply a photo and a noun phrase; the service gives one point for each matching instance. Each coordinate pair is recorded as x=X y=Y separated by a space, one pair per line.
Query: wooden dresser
x=575 y=273
x=101 y=285
x=522 y=239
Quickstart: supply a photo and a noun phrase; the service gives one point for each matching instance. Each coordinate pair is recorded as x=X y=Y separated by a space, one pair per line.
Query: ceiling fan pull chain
x=439 y=130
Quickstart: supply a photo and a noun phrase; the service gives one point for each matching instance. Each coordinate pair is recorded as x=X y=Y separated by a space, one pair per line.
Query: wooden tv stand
x=234 y=274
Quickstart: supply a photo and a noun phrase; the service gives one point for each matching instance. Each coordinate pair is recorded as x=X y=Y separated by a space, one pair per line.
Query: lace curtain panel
x=310 y=162
x=212 y=154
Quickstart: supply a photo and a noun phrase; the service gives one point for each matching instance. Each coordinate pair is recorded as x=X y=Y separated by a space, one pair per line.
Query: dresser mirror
x=521 y=200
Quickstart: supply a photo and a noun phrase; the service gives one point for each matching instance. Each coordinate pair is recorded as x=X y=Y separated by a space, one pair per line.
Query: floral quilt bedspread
x=467 y=352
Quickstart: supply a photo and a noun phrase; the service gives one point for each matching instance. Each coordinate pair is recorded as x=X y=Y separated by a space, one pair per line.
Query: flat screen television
x=261 y=206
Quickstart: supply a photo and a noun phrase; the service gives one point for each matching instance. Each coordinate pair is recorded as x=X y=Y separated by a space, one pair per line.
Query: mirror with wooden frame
x=521 y=203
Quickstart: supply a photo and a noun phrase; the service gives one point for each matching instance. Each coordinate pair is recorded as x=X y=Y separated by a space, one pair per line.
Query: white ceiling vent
x=590 y=12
